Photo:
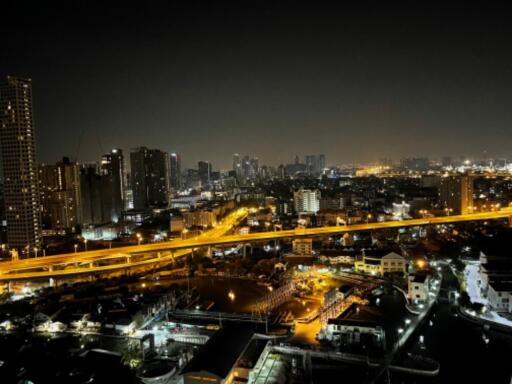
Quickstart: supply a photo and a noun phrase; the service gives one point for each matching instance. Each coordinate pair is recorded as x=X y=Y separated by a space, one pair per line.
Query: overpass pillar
x=51 y=281
x=510 y=221
x=209 y=251
x=244 y=252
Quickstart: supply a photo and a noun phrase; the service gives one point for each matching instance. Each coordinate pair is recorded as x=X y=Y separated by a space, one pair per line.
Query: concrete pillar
x=52 y=280
x=209 y=251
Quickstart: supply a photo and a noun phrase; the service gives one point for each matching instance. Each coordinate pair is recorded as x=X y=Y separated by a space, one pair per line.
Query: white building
x=401 y=211
x=306 y=201
x=379 y=265
x=418 y=286
x=499 y=295
x=336 y=260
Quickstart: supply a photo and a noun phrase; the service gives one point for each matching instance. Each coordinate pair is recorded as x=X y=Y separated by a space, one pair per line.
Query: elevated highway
x=149 y=254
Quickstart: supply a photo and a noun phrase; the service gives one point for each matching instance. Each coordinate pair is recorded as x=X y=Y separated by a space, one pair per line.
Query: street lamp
x=76 y=247
x=35 y=251
x=231 y=295
x=85 y=244
x=139 y=237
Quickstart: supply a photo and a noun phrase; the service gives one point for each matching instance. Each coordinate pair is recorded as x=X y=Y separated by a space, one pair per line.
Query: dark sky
x=207 y=80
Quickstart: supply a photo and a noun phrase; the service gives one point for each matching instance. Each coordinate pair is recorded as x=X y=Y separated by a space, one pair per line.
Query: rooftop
x=221 y=352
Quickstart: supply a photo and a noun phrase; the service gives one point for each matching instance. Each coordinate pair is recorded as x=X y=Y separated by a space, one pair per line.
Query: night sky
x=207 y=80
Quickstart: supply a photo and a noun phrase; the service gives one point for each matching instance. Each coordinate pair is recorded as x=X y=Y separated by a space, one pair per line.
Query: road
x=31 y=268
x=84 y=262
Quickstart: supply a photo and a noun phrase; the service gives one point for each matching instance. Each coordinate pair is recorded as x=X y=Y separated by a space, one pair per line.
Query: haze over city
x=357 y=82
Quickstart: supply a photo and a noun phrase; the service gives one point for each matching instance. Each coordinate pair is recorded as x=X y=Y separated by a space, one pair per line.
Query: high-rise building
x=59 y=187
x=315 y=164
x=175 y=171
x=17 y=146
x=237 y=166
x=306 y=201
x=96 y=196
x=204 y=169
x=456 y=194
x=112 y=168
x=150 y=178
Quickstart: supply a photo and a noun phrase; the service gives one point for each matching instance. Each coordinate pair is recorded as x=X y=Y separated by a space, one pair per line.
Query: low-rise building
x=337 y=259
x=330 y=217
x=418 y=287
x=176 y=224
x=217 y=361
x=378 y=264
x=355 y=327
x=499 y=294
x=303 y=247
x=199 y=218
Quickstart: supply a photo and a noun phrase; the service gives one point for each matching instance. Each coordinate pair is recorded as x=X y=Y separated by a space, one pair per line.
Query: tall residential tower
x=17 y=147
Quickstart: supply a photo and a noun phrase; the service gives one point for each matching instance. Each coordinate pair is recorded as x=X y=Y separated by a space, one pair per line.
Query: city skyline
x=323 y=79
x=265 y=192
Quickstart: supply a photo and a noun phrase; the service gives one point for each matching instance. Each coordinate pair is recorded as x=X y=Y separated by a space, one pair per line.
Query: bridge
x=148 y=255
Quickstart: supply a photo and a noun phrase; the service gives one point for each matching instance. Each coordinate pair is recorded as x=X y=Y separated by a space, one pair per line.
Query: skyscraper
x=112 y=167
x=175 y=171
x=315 y=164
x=150 y=178
x=96 y=196
x=17 y=146
x=59 y=186
x=204 y=169
x=237 y=166
x=456 y=194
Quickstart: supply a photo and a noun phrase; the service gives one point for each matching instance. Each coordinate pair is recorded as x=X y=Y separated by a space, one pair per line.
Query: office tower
x=204 y=169
x=175 y=171
x=17 y=146
x=150 y=178
x=306 y=201
x=112 y=168
x=456 y=194
x=59 y=187
x=321 y=163
x=254 y=168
